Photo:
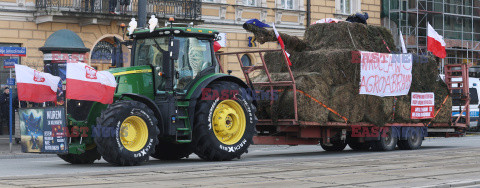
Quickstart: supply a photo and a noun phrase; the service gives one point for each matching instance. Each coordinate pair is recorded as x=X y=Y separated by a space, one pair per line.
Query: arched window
x=246 y=61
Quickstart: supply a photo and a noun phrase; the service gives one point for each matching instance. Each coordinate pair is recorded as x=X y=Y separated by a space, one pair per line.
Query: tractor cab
x=192 y=48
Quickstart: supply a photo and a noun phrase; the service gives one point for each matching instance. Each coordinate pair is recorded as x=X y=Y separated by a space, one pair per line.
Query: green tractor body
x=171 y=101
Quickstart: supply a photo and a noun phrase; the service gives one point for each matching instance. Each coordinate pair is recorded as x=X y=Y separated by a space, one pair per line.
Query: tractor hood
x=130 y=70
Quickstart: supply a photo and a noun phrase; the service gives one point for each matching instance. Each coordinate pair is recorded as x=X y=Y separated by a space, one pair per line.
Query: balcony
x=71 y=11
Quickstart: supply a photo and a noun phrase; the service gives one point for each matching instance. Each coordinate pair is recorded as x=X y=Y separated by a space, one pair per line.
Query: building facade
x=456 y=20
x=28 y=23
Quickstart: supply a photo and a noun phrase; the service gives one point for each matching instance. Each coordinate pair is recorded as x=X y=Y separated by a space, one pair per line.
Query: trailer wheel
x=414 y=140
x=131 y=133
x=89 y=157
x=387 y=142
x=224 y=122
x=166 y=150
x=336 y=146
x=359 y=146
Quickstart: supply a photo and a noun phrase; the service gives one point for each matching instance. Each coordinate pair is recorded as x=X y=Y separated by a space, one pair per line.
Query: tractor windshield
x=195 y=55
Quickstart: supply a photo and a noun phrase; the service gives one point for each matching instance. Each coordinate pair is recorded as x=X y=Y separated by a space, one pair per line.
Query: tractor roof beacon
x=171 y=102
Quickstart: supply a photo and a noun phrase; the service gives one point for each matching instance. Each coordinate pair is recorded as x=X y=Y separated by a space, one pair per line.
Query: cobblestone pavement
x=442 y=162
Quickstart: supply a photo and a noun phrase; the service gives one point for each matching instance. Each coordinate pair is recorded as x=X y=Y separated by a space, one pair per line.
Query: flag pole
x=10 y=111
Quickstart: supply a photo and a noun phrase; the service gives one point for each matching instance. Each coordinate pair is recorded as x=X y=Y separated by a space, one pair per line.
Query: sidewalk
x=16 y=150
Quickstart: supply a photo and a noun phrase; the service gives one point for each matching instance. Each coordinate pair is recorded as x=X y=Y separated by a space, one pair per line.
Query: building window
x=102 y=52
x=250 y=2
x=287 y=4
x=246 y=61
x=345 y=6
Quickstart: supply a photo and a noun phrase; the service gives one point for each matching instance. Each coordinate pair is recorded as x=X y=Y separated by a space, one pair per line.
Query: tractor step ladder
x=456 y=78
x=183 y=134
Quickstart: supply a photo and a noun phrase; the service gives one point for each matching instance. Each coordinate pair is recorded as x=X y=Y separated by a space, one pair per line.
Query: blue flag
x=257 y=23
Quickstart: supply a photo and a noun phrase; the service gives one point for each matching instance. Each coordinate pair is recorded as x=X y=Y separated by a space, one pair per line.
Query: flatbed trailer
x=329 y=134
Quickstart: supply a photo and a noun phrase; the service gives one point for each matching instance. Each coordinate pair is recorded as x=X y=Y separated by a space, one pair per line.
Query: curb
x=25 y=156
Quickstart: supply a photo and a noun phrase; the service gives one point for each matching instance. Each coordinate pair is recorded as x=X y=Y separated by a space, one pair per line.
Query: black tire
x=206 y=144
x=111 y=146
x=387 y=142
x=166 y=150
x=89 y=157
x=414 y=140
x=359 y=146
x=336 y=145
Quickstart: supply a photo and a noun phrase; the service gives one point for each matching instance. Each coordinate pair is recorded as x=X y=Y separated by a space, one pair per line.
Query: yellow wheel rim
x=133 y=133
x=229 y=122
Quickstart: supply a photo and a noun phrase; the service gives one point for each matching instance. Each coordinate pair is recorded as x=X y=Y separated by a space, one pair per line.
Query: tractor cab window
x=150 y=51
x=195 y=55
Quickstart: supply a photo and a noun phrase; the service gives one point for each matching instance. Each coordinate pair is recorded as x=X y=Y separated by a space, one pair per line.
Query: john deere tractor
x=169 y=103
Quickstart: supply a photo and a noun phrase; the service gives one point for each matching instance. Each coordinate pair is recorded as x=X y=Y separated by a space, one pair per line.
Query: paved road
x=441 y=162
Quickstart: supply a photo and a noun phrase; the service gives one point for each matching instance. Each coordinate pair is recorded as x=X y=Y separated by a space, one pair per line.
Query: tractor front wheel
x=131 y=133
x=224 y=122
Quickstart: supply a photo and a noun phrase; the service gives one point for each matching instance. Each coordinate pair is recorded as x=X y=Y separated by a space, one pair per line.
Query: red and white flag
x=35 y=86
x=436 y=44
x=282 y=45
x=86 y=83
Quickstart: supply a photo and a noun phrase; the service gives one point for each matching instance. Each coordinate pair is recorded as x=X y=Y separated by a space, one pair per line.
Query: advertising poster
x=37 y=126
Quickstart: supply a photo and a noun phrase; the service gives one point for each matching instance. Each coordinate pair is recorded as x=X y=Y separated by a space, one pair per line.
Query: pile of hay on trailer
x=323 y=71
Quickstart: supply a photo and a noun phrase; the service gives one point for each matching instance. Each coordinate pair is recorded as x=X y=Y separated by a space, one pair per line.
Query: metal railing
x=180 y=9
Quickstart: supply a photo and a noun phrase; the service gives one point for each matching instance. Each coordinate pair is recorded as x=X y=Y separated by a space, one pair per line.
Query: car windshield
x=195 y=55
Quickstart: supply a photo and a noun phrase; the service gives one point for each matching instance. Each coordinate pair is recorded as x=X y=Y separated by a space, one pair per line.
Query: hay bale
x=441 y=92
x=334 y=65
x=375 y=110
x=308 y=109
x=347 y=102
x=262 y=35
x=346 y=35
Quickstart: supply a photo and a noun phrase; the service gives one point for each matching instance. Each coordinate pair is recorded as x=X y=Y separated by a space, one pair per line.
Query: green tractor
x=171 y=101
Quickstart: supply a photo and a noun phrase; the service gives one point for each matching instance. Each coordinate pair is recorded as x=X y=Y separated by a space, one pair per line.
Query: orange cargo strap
x=331 y=110
x=436 y=113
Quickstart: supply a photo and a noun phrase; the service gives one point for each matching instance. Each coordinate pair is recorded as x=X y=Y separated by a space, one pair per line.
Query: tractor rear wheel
x=90 y=156
x=166 y=150
x=133 y=133
x=224 y=122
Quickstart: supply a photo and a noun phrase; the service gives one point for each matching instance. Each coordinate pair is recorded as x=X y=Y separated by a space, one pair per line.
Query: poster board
x=36 y=132
x=383 y=74
x=422 y=105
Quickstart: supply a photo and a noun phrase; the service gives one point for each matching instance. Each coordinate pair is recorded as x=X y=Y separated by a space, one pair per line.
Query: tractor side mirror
x=174 y=49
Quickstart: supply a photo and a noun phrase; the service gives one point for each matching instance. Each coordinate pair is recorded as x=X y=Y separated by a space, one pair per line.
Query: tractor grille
x=79 y=109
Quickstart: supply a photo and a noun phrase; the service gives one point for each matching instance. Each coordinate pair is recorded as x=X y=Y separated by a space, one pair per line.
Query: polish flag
x=436 y=44
x=86 y=83
x=282 y=45
x=35 y=86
